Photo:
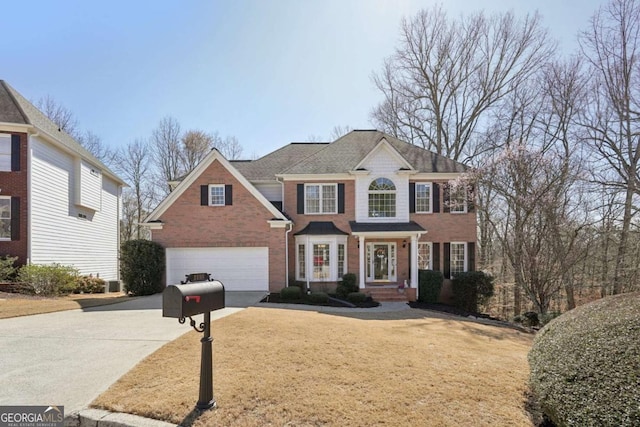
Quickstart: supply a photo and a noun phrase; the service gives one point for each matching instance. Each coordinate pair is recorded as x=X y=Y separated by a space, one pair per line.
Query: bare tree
x=134 y=163
x=59 y=114
x=612 y=49
x=167 y=151
x=339 y=131
x=446 y=76
x=93 y=144
x=229 y=147
x=196 y=144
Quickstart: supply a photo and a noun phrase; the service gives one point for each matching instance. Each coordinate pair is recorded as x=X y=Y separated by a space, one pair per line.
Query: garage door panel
x=239 y=269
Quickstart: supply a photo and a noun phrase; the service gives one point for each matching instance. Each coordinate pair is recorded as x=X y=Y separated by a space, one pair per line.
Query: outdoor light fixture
x=404 y=243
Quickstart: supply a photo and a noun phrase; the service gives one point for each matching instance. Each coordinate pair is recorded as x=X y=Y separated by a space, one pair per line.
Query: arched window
x=382 y=198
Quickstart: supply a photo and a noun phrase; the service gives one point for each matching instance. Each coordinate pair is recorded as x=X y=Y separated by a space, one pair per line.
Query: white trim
x=223 y=194
x=415 y=197
x=152 y=225
x=278 y=223
x=392 y=263
x=311 y=177
x=436 y=176
x=328 y=239
x=430 y=244
x=7 y=239
x=388 y=234
x=465 y=266
x=215 y=155
x=384 y=143
x=321 y=194
x=15 y=127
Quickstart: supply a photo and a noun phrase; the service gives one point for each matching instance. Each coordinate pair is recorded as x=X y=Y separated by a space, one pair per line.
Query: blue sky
x=267 y=72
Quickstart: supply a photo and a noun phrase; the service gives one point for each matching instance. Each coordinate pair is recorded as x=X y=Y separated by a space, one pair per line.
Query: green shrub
x=318 y=297
x=356 y=297
x=585 y=365
x=530 y=318
x=347 y=285
x=471 y=289
x=48 y=280
x=90 y=285
x=430 y=285
x=141 y=267
x=291 y=293
x=8 y=269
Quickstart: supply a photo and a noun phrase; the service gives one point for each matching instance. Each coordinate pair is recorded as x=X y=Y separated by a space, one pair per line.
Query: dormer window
x=382 y=198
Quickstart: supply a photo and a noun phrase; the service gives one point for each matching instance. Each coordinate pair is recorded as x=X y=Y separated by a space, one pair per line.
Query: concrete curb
x=101 y=418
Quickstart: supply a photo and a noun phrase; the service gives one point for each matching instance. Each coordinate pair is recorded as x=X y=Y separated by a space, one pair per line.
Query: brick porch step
x=385 y=294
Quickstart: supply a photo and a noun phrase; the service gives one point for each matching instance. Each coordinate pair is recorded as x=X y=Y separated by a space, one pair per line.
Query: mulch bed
x=333 y=302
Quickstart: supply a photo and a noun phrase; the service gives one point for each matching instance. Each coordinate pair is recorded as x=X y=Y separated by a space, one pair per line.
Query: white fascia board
x=279 y=223
x=384 y=144
x=15 y=127
x=435 y=176
x=387 y=234
x=152 y=225
x=215 y=155
x=316 y=177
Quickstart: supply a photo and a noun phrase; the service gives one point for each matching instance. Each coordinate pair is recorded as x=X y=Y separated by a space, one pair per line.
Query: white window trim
x=465 y=264
x=333 y=241
x=223 y=194
x=394 y=192
x=464 y=205
x=9 y=153
x=7 y=239
x=369 y=248
x=430 y=244
x=320 y=206
x=430 y=185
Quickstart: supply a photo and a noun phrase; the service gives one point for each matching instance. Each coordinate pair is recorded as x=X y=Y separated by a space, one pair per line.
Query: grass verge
x=298 y=368
x=14 y=305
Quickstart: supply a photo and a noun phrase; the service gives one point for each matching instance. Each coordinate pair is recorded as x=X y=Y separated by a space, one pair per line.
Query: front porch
x=390 y=293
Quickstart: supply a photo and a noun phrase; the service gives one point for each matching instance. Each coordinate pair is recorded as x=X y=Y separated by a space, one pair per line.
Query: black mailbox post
x=186 y=300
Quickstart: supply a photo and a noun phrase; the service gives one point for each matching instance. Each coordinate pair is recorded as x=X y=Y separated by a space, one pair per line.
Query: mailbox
x=182 y=301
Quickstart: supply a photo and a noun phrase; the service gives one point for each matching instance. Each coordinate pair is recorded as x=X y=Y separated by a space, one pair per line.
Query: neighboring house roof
x=266 y=167
x=320 y=228
x=14 y=108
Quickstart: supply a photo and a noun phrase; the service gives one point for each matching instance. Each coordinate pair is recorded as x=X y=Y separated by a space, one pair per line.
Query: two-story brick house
x=58 y=203
x=366 y=203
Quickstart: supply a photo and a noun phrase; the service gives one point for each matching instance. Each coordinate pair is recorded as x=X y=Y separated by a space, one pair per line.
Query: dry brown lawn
x=14 y=305
x=276 y=367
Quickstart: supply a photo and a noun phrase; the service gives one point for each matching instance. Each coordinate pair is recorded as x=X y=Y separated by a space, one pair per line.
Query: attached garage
x=239 y=269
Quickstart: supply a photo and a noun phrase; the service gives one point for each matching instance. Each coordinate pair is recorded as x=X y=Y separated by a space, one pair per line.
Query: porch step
x=386 y=294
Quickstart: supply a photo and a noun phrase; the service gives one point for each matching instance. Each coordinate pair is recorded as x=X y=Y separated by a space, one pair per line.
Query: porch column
x=362 y=260
x=414 y=262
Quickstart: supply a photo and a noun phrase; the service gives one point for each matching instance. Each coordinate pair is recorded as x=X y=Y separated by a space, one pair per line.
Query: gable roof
x=191 y=177
x=265 y=168
x=347 y=153
x=16 y=109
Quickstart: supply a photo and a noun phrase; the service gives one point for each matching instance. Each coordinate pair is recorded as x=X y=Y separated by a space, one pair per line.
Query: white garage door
x=239 y=269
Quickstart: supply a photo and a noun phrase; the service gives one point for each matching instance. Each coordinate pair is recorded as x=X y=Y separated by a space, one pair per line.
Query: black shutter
x=436 y=197
x=15 y=218
x=15 y=153
x=228 y=195
x=204 y=195
x=471 y=198
x=471 y=252
x=300 y=199
x=446 y=198
x=447 y=261
x=436 y=256
x=412 y=197
x=340 y=198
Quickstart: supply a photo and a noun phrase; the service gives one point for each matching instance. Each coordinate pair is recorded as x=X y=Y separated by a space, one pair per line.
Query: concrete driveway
x=70 y=357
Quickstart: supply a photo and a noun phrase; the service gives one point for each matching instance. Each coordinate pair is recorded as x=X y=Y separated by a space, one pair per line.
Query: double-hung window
x=423 y=197
x=5 y=153
x=424 y=255
x=216 y=195
x=458 y=258
x=5 y=218
x=458 y=199
x=321 y=198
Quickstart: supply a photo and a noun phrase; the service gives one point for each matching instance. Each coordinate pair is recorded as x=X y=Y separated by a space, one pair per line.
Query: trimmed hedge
x=585 y=364
x=347 y=285
x=291 y=293
x=471 y=289
x=141 y=267
x=356 y=297
x=318 y=297
x=430 y=285
x=48 y=280
x=89 y=285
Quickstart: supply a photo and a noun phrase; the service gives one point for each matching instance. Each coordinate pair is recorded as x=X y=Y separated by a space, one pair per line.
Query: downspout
x=286 y=254
x=29 y=193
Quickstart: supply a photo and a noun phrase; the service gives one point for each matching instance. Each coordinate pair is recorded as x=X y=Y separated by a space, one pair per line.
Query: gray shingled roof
x=14 y=108
x=347 y=152
x=266 y=167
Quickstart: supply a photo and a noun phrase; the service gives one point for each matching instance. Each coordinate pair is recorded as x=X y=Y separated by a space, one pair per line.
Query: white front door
x=381 y=262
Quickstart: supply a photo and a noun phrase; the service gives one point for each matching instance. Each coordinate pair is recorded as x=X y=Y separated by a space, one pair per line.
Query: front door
x=381 y=262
